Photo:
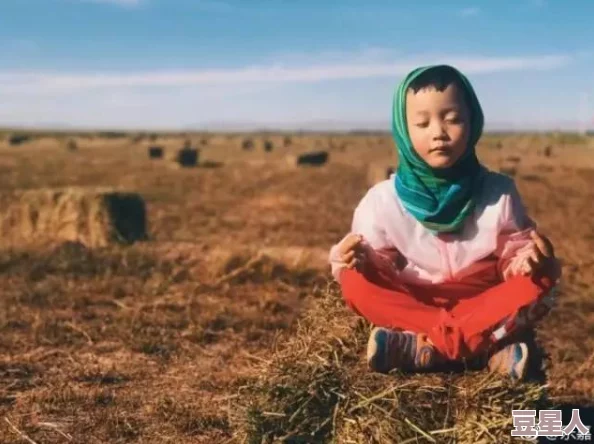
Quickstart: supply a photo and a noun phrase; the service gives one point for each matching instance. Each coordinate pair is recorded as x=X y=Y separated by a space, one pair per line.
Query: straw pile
x=95 y=217
x=316 y=388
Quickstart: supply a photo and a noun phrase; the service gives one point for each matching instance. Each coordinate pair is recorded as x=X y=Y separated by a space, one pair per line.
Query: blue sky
x=169 y=64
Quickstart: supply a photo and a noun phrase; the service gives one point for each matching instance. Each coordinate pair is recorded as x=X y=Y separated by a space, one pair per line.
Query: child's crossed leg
x=451 y=322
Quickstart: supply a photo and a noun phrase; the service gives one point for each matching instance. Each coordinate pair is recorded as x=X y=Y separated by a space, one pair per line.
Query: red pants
x=460 y=318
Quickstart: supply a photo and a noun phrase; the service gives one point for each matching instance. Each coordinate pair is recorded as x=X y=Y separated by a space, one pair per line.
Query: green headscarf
x=440 y=199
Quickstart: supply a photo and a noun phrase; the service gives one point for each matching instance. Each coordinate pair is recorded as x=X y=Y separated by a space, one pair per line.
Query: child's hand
x=350 y=251
x=542 y=256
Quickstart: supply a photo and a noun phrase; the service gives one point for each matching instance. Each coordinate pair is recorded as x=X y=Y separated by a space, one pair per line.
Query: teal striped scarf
x=440 y=199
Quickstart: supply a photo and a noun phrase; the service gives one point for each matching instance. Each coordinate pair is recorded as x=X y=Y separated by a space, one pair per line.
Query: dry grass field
x=223 y=324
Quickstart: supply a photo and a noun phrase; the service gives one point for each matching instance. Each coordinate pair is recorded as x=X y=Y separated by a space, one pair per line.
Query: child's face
x=438 y=124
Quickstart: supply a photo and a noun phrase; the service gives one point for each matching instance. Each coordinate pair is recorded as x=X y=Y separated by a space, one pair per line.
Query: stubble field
x=157 y=341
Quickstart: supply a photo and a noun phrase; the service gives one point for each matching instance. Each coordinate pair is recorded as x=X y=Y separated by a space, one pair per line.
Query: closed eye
x=422 y=124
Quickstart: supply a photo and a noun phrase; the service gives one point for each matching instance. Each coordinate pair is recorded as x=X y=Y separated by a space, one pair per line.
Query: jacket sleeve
x=513 y=241
x=381 y=257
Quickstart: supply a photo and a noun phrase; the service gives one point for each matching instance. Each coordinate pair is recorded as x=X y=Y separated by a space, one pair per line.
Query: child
x=442 y=257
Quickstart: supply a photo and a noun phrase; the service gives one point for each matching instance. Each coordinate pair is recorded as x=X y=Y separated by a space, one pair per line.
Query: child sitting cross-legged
x=442 y=258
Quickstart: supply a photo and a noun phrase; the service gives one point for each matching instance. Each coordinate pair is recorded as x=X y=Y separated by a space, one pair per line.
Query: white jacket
x=499 y=229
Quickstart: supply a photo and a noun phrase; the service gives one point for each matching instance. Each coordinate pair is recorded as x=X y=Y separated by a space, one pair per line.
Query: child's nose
x=438 y=131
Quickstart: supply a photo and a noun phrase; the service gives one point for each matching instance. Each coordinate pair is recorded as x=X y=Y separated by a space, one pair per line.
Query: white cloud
x=57 y=83
x=469 y=12
x=308 y=88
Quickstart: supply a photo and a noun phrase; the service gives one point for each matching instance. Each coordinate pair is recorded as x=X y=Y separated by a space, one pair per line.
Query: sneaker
x=511 y=361
x=389 y=349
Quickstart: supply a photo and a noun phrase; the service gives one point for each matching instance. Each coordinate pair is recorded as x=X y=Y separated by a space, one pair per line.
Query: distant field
x=152 y=342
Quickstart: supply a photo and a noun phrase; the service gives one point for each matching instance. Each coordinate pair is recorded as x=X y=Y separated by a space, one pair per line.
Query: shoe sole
x=372 y=350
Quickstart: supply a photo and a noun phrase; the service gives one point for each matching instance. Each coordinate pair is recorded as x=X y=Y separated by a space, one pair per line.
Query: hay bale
x=247 y=144
x=548 y=151
x=18 y=139
x=155 y=152
x=71 y=145
x=95 y=217
x=316 y=388
x=314 y=158
x=187 y=157
x=378 y=172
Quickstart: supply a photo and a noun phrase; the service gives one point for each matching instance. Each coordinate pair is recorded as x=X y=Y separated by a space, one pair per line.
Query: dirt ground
x=148 y=343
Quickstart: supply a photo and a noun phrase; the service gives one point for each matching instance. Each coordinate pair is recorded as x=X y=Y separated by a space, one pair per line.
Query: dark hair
x=439 y=77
